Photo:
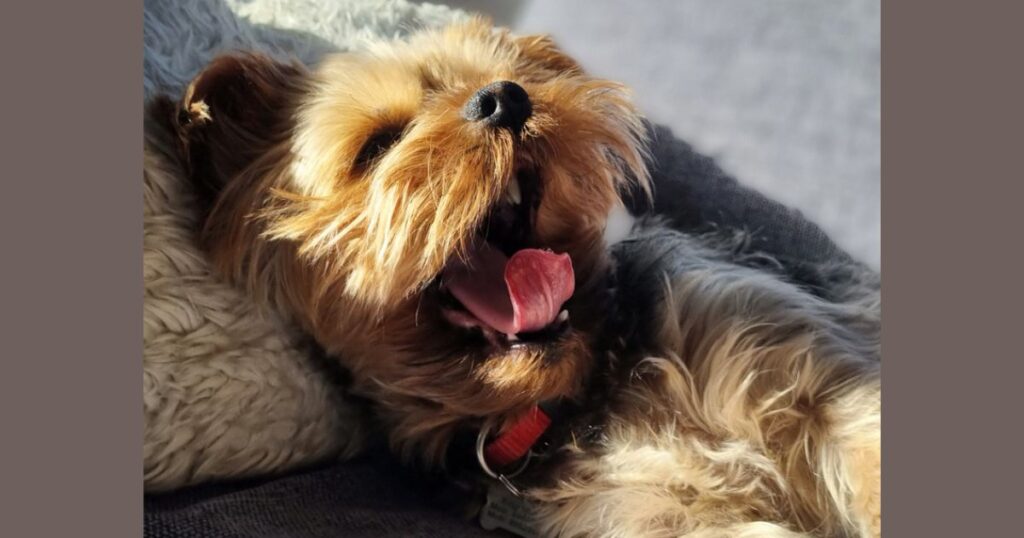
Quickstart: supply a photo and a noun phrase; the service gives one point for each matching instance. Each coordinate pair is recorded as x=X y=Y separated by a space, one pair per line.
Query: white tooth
x=512 y=338
x=563 y=315
x=514 y=194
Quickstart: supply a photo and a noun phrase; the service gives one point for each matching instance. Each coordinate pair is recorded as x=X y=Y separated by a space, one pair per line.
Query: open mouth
x=508 y=287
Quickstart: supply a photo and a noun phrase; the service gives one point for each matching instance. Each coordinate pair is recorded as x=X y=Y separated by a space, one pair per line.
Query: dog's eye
x=377 y=145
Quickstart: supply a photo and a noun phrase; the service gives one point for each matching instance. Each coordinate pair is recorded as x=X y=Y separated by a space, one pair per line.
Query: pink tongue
x=512 y=295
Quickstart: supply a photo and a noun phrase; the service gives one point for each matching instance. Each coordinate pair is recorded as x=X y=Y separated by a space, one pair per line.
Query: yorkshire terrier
x=433 y=212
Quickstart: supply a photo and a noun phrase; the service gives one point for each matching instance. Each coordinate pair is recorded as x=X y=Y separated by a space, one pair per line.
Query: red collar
x=516 y=441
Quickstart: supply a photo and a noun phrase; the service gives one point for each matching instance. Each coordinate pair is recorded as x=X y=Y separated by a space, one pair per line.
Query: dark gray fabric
x=372 y=496
x=696 y=196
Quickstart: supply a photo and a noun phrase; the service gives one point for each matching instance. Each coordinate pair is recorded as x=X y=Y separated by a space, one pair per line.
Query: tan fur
x=741 y=424
x=731 y=425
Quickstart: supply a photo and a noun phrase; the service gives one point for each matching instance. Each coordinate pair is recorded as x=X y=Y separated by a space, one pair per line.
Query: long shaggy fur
x=228 y=390
x=350 y=248
x=754 y=408
x=725 y=400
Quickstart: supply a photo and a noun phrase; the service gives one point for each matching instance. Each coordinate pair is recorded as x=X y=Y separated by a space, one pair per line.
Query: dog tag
x=503 y=510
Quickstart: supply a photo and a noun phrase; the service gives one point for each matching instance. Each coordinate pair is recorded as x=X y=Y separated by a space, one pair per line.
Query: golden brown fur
x=754 y=412
x=743 y=420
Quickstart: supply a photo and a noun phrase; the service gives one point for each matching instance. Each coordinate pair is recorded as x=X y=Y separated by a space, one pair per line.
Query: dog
x=433 y=212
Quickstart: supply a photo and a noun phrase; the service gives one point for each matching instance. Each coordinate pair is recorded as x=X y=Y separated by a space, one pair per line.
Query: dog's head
x=431 y=209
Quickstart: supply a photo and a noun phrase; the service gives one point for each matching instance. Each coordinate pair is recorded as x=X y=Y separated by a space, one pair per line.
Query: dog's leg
x=669 y=465
x=855 y=445
x=762 y=415
x=794 y=378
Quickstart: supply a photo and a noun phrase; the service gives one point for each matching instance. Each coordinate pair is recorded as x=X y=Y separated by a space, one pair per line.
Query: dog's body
x=733 y=404
x=425 y=208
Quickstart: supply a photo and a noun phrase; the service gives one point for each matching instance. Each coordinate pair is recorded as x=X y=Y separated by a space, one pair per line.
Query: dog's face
x=435 y=208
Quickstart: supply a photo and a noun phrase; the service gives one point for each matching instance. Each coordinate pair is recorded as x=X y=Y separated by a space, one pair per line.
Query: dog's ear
x=233 y=111
x=542 y=51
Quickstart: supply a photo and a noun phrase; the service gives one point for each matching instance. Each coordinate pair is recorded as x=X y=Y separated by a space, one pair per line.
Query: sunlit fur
x=755 y=403
x=737 y=425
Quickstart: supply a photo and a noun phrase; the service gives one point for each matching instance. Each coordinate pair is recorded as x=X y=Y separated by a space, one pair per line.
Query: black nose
x=500 y=104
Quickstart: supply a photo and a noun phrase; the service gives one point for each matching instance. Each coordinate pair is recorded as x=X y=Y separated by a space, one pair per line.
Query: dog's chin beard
x=506 y=291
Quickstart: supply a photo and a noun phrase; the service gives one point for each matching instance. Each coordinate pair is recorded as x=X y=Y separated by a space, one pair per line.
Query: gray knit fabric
x=368 y=497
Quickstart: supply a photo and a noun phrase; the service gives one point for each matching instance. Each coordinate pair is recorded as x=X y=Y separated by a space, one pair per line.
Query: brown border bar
x=951 y=170
x=71 y=221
